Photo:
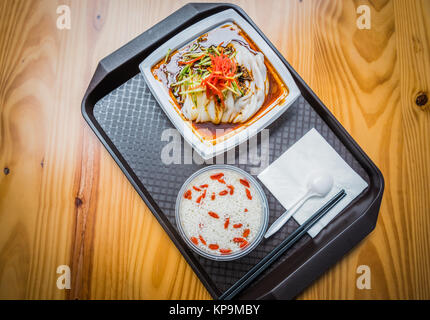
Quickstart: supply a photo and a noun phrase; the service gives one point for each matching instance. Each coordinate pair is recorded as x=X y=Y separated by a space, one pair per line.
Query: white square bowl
x=205 y=148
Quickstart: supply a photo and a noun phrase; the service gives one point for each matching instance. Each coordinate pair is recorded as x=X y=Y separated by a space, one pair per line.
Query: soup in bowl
x=221 y=212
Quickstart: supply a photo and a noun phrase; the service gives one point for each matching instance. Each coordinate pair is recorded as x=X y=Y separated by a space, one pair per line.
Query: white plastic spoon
x=319 y=185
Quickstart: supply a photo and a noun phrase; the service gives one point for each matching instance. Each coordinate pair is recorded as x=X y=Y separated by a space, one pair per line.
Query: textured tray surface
x=134 y=122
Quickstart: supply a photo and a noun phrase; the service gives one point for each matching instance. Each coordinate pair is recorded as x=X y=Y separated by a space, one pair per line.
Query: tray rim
x=108 y=72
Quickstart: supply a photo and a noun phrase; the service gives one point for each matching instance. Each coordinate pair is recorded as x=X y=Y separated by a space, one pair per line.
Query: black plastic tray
x=120 y=109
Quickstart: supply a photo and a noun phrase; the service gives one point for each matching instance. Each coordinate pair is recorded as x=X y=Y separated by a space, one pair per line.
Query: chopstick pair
x=292 y=239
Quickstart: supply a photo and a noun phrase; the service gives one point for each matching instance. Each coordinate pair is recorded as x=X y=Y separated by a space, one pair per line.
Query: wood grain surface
x=64 y=201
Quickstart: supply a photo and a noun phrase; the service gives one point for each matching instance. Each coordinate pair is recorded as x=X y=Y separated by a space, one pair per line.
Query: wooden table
x=64 y=201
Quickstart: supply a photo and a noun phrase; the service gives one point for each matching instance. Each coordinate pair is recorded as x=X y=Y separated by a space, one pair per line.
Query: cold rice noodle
x=220 y=80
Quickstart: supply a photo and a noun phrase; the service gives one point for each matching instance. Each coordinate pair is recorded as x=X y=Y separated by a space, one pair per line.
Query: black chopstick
x=281 y=248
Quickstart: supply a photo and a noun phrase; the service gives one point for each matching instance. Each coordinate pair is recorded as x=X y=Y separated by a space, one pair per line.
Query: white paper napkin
x=286 y=178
